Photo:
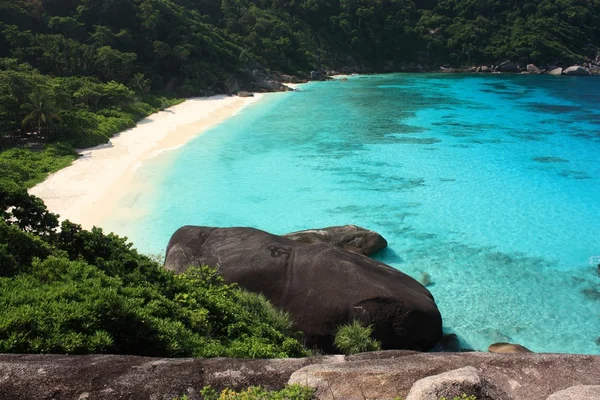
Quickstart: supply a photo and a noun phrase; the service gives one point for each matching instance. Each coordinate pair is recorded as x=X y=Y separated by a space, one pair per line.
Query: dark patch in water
x=550 y=159
x=447 y=180
x=414 y=140
x=567 y=173
x=552 y=108
x=430 y=148
x=592 y=294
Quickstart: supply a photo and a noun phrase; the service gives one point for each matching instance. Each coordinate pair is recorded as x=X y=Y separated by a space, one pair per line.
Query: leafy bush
x=355 y=338
x=292 y=392
x=76 y=291
x=28 y=168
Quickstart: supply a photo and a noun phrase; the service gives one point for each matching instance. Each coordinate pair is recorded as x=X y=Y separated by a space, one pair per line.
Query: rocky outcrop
x=483 y=68
x=108 y=377
x=507 y=66
x=264 y=81
x=532 y=69
x=556 y=71
x=379 y=375
x=245 y=94
x=466 y=380
x=318 y=75
x=590 y=392
x=232 y=85
x=508 y=348
x=576 y=70
x=511 y=376
x=347 y=237
x=303 y=279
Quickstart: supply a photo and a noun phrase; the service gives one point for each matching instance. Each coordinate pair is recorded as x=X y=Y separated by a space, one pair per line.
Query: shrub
x=355 y=338
x=75 y=291
x=292 y=392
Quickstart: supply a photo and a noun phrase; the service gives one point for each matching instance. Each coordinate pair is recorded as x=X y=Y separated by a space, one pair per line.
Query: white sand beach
x=87 y=191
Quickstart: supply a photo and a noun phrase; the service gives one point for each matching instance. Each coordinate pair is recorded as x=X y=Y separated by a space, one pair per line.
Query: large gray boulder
x=348 y=237
x=556 y=71
x=576 y=70
x=507 y=66
x=532 y=69
x=387 y=375
x=466 y=380
x=322 y=286
x=582 y=392
x=377 y=375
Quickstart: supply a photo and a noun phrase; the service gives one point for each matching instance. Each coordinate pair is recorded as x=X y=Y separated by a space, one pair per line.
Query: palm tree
x=41 y=110
x=140 y=84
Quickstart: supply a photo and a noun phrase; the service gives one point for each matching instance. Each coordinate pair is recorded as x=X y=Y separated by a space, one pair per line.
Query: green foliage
x=462 y=397
x=28 y=168
x=291 y=392
x=75 y=291
x=354 y=338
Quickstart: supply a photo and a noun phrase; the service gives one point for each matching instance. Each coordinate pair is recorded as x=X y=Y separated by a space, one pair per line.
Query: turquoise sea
x=490 y=185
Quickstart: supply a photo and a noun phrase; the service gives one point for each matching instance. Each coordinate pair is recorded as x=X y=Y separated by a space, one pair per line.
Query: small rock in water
x=425 y=279
x=508 y=348
x=591 y=293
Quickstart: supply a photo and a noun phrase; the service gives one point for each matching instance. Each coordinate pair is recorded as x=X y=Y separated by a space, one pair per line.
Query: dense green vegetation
x=81 y=70
x=74 y=291
x=354 y=338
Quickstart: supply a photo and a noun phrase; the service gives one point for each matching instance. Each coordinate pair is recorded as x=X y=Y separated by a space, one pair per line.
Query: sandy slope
x=86 y=191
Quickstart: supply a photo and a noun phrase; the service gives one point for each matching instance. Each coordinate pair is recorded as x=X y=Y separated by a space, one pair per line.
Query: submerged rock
x=508 y=348
x=321 y=285
x=576 y=70
x=348 y=237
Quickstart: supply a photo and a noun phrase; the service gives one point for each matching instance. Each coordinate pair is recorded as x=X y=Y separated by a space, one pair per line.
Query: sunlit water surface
x=488 y=184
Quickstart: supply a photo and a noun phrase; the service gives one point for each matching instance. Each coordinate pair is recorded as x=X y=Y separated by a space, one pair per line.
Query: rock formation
x=322 y=286
x=576 y=70
x=581 y=392
x=532 y=69
x=508 y=348
x=347 y=237
x=467 y=380
x=556 y=71
x=379 y=375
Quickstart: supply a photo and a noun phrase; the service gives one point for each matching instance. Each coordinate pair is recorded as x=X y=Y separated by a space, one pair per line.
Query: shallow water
x=488 y=184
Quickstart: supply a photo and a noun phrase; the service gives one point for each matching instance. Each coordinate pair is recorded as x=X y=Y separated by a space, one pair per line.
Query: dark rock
x=232 y=85
x=582 y=392
x=508 y=348
x=507 y=66
x=348 y=237
x=466 y=380
x=265 y=81
x=245 y=94
x=322 y=286
x=532 y=69
x=317 y=75
x=529 y=376
x=576 y=70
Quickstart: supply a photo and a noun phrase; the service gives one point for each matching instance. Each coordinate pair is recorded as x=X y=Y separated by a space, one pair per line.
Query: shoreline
x=87 y=191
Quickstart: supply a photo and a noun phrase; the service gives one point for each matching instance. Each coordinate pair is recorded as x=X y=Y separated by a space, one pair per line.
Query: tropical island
x=104 y=86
